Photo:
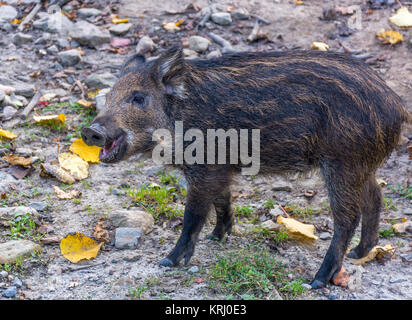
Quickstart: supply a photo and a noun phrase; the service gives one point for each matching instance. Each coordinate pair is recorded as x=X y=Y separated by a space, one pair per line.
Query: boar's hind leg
x=371 y=204
x=224 y=216
x=344 y=184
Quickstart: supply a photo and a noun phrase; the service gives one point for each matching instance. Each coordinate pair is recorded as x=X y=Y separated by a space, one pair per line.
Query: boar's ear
x=169 y=72
x=132 y=63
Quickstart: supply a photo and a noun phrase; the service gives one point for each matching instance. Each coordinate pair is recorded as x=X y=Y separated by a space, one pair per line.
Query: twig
x=219 y=40
x=284 y=211
x=260 y=19
x=30 y=16
x=205 y=19
x=34 y=101
x=81 y=87
x=254 y=34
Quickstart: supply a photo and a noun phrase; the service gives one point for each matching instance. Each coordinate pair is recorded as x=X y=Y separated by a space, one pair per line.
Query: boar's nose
x=94 y=135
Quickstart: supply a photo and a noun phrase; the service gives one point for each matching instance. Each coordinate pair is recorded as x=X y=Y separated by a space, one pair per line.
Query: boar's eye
x=137 y=99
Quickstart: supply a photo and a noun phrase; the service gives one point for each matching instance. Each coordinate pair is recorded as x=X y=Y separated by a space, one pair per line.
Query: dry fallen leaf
x=171 y=26
x=77 y=167
x=7 y=134
x=92 y=94
x=45 y=119
x=376 y=252
x=100 y=233
x=16 y=160
x=63 y=195
x=117 y=20
x=389 y=36
x=84 y=103
x=403 y=227
x=57 y=172
x=381 y=182
x=76 y=246
x=319 y=46
x=402 y=18
x=48 y=96
x=87 y=153
x=297 y=229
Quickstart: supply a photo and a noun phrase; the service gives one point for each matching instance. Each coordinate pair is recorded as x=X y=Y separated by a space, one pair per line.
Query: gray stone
x=145 y=45
x=8 y=112
x=70 y=57
x=306 y=286
x=276 y=211
x=221 y=18
x=7 y=14
x=270 y=225
x=56 y=23
x=88 y=12
x=194 y=269
x=2 y=95
x=100 y=81
x=198 y=44
x=285 y=186
x=127 y=238
x=214 y=54
x=12 y=250
x=22 y=38
x=101 y=99
x=63 y=43
x=132 y=219
x=190 y=54
x=17 y=282
x=121 y=28
x=4 y=274
x=88 y=34
x=52 y=49
x=240 y=14
x=325 y=236
x=22 y=89
x=38 y=206
x=407 y=257
x=10 y=292
x=8 y=213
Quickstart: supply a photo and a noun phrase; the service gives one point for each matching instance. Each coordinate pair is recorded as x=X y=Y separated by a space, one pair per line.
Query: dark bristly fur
x=313 y=109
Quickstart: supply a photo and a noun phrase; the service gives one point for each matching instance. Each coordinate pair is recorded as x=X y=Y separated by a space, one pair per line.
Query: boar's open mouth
x=114 y=150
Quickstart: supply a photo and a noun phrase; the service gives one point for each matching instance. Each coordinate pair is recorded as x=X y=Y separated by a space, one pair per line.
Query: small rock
x=10 y=292
x=127 y=238
x=132 y=219
x=70 y=57
x=145 y=45
x=282 y=187
x=22 y=38
x=63 y=43
x=12 y=250
x=397 y=280
x=89 y=35
x=100 y=81
x=276 y=211
x=2 y=95
x=214 y=54
x=8 y=213
x=88 y=12
x=270 y=225
x=3 y=274
x=17 y=282
x=325 y=236
x=7 y=14
x=56 y=23
x=8 y=112
x=193 y=269
x=121 y=28
x=407 y=257
x=190 y=54
x=198 y=44
x=333 y=296
x=221 y=18
x=38 y=206
x=101 y=99
x=306 y=286
x=52 y=49
x=240 y=14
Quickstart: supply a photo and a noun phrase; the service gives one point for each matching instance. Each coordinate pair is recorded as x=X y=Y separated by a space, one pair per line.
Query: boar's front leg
x=204 y=187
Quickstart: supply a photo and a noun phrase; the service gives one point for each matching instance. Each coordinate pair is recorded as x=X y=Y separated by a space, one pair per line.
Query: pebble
x=38 y=206
x=276 y=211
x=7 y=14
x=198 y=44
x=132 y=219
x=52 y=49
x=127 y=238
x=325 y=236
x=10 y=292
x=100 y=81
x=194 y=269
x=221 y=18
x=2 y=95
x=240 y=14
x=306 y=286
x=88 y=12
x=3 y=274
x=17 y=282
x=70 y=57
x=88 y=34
x=145 y=45
x=101 y=99
x=333 y=296
x=55 y=23
x=270 y=225
x=14 y=249
x=121 y=28
x=214 y=54
x=22 y=38
x=8 y=112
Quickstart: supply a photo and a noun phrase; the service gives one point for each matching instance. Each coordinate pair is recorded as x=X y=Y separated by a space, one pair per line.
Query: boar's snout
x=94 y=135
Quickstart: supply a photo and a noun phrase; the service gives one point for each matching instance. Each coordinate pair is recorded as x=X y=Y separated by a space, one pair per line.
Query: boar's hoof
x=214 y=237
x=166 y=262
x=354 y=255
x=317 y=284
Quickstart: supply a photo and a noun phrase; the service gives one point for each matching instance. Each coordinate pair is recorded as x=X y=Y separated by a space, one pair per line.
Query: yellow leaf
x=319 y=46
x=299 y=2
x=376 y=251
x=297 y=229
x=77 y=167
x=76 y=246
x=57 y=172
x=84 y=103
x=402 y=18
x=170 y=26
x=63 y=195
x=15 y=160
x=389 y=36
x=87 y=153
x=117 y=20
x=16 y=21
x=7 y=134
x=179 y=22
x=93 y=94
x=44 y=119
x=48 y=96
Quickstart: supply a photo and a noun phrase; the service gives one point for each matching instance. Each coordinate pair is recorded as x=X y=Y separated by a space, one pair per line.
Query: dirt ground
x=135 y=274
